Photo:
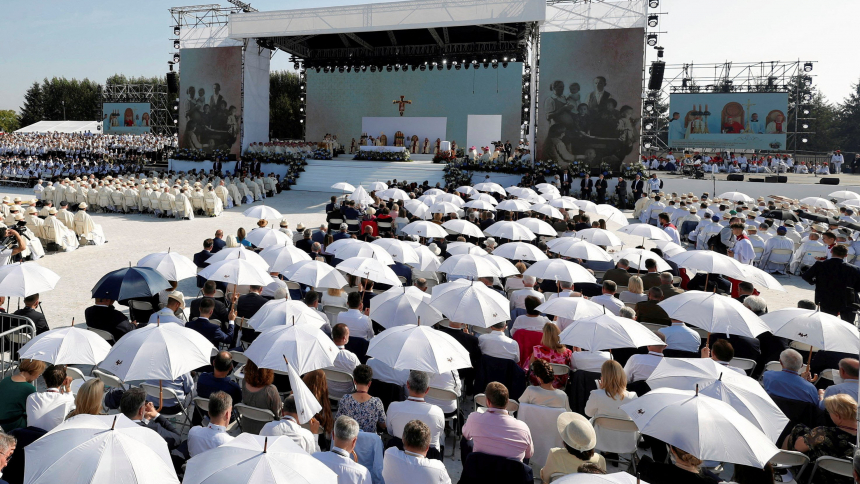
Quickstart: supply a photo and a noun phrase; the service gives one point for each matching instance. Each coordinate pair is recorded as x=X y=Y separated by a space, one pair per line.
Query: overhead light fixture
x=457 y=66
x=653 y=3
x=652 y=20
x=176 y=30
x=340 y=69
x=652 y=39
x=807 y=67
x=423 y=67
x=176 y=58
x=504 y=64
x=804 y=140
x=176 y=44
x=659 y=51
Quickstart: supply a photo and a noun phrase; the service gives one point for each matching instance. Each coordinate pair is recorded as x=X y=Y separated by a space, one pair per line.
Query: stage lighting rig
x=176 y=58
x=176 y=30
x=176 y=44
x=653 y=3
x=652 y=39
x=807 y=67
x=653 y=19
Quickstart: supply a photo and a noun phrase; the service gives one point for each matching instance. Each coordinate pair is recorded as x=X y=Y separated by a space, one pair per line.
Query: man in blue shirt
x=219 y=380
x=210 y=330
x=849 y=370
x=789 y=383
x=680 y=337
x=343 y=234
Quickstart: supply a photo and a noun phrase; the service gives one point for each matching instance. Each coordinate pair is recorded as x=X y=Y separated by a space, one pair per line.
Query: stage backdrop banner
x=729 y=121
x=255 y=126
x=337 y=103
x=590 y=97
x=484 y=131
x=210 y=107
x=126 y=118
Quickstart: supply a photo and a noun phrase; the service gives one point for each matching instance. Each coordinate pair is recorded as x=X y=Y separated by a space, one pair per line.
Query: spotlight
x=652 y=40
x=647 y=145
x=301 y=120
x=389 y=68
x=372 y=68
x=504 y=64
x=176 y=30
x=325 y=69
x=301 y=109
x=439 y=67
x=659 y=52
x=806 y=112
x=176 y=58
x=649 y=106
x=423 y=67
x=652 y=20
x=807 y=67
x=414 y=67
x=176 y=121
x=495 y=65
x=526 y=110
x=444 y=61
x=363 y=68
x=176 y=44
x=457 y=67
x=805 y=125
x=340 y=69
x=296 y=66
x=486 y=65
x=513 y=59
x=170 y=65
x=466 y=65
x=448 y=66
x=649 y=126
x=653 y=3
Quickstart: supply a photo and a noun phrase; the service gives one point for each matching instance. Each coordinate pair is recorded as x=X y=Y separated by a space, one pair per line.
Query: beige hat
x=285 y=223
x=52 y=211
x=300 y=226
x=19 y=217
x=32 y=210
x=177 y=296
x=434 y=248
x=820 y=227
x=82 y=205
x=17 y=199
x=576 y=431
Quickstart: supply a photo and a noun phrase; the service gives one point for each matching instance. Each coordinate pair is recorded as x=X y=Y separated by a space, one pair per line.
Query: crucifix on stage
x=402 y=102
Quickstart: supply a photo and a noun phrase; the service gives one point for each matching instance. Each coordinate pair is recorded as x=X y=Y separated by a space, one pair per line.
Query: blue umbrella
x=130 y=283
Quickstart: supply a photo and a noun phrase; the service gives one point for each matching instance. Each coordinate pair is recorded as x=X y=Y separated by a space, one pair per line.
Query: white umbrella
x=607 y=331
x=284 y=312
x=714 y=313
x=306 y=347
x=337 y=244
x=646 y=231
x=66 y=346
x=818 y=202
x=814 y=328
x=425 y=229
x=560 y=243
x=547 y=210
x=417 y=208
x=262 y=212
x=237 y=271
x=399 y=250
x=571 y=308
x=427 y=260
x=535 y=199
x=510 y=230
x=480 y=205
x=586 y=206
x=392 y=194
x=547 y=188
x=241 y=253
x=252 y=459
x=743 y=393
x=549 y=196
x=403 y=305
x=485 y=197
x=736 y=197
x=490 y=187
x=637 y=258
x=265 y=237
x=583 y=478
x=171 y=265
x=378 y=185
x=364 y=249
x=539 y=227
x=427 y=199
x=360 y=196
x=26 y=278
x=505 y=267
x=581 y=250
x=434 y=191
x=845 y=195
x=518 y=205
x=612 y=214
x=519 y=192
x=559 y=270
x=757 y=276
x=468 y=265
x=563 y=202
x=467 y=190
x=283 y=256
x=710 y=262
x=372 y=269
x=519 y=251
x=707 y=428
x=470 y=303
x=464 y=227
x=343 y=186
x=307 y=404
x=670 y=249
x=99 y=448
x=420 y=348
x=460 y=248
x=315 y=274
x=444 y=207
x=451 y=198
x=157 y=352
x=601 y=237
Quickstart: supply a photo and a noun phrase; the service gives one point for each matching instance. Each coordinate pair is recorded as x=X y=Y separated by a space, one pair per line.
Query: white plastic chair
x=481 y=403
x=332 y=312
x=104 y=334
x=109 y=380
x=456 y=423
x=840 y=467
x=790 y=458
x=744 y=364
x=253 y=414
x=333 y=375
x=618 y=426
x=542 y=424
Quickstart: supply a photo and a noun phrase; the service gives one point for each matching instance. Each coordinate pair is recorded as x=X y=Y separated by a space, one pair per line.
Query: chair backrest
x=239 y=358
x=75 y=373
x=776 y=366
x=559 y=369
x=332 y=312
x=481 y=330
x=617 y=426
x=481 y=401
x=104 y=334
x=442 y=394
x=542 y=424
x=797 y=345
x=108 y=379
x=830 y=374
x=140 y=305
x=790 y=458
x=653 y=326
x=333 y=375
x=153 y=391
x=744 y=364
x=293 y=285
x=202 y=404
x=840 y=467
x=260 y=415
x=780 y=256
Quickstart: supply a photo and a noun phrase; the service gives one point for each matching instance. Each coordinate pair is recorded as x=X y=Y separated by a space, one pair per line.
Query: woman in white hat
x=578 y=441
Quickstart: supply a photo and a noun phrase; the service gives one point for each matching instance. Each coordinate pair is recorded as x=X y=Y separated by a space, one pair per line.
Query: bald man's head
x=849 y=368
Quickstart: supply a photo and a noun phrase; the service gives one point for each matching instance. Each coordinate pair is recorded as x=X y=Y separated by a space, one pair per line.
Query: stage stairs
x=320 y=175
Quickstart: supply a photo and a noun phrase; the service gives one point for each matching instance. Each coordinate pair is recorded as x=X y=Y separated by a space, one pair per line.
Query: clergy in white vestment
x=235 y=194
x=183 y=206
x=780 y=241
x=167 y=202
x=66 y=217
x=88 y=231
x=57 y=232
x=742 y=251
x=224 y=195
x=212 y=203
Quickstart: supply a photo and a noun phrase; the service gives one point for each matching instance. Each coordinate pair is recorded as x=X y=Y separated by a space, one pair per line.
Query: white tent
x=63 y=127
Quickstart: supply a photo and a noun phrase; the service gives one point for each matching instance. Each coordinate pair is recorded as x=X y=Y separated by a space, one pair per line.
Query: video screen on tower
x=728 y=121
x=590 y=97
x=126 y=118
x=210 y=101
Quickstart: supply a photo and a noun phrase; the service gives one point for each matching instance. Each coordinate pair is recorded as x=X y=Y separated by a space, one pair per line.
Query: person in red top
x=550 y=349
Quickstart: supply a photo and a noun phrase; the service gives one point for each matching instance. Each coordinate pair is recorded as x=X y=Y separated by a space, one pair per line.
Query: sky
x=99 y=38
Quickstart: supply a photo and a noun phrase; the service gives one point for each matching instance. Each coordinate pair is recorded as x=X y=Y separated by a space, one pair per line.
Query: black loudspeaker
x=735 y=177
x=657 y=70
x=776 y=179
x=830 y=181
x=172 y=83
x=757 y=180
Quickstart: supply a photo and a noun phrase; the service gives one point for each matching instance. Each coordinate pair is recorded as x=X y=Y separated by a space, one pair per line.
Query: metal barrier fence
x=15 y=332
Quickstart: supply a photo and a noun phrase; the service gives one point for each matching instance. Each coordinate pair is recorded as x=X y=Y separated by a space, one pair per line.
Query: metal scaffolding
x=154 y=94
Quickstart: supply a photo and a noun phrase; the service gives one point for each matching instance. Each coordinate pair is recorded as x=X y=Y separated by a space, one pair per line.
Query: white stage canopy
x=62 y=127
x=608 y=14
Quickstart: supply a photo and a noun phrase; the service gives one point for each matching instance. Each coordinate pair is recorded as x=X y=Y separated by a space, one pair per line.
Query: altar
x=431 y=128
x=382 y=149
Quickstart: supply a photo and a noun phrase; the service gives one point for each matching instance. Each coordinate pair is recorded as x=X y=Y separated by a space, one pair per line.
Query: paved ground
x=131 y=237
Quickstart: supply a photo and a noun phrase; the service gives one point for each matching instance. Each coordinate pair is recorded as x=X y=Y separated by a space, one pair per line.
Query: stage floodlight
x=170 y=65
x=341 y=69
x=176 y=44
x=175 y=58
x=495 y=65
x=301 y=120
x=647 y=145
x=806 y=112
x=653 y=3
x=805 y=125
x=649 y=126
x=372 y=68
x=807 y=67
x=457 y=66
x=526 y=109
x=659 y=51
x=649 y=106
x=397 y=67
x=466 y=66
x=439 y=67
x=176 y=30
x=504 y=64
x=389 y=68
x=513 y=59
x=652 y=20
x=448 y=66
x=486 y=65
x=805 y=140
x=423 y=67
x=652 y=40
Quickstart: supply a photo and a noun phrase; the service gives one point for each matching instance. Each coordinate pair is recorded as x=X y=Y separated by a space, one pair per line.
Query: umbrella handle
x=160 y=396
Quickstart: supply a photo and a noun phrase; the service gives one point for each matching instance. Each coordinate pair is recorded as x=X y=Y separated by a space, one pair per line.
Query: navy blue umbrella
x=130 y=283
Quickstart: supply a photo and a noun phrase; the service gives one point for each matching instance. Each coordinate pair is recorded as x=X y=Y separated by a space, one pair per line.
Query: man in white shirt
x=411 y=465
x=532 y=320
x=640 y=367
x=497 y=345
x=566 y=291
x=680 y=337
x=401 y=413
x=339 y=459
x=201 y=439
x=357 y=321
x=836 y=160
x=518 y=297
x=48 y=409
x=669 y=228
x=271 y=289
x=774 y=262
x=608 y=299
x=289 y=425
x=589 y=360
x=345 y=361
x=742 y=251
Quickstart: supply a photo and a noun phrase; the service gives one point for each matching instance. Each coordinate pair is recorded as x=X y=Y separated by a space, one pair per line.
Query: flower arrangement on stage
x=321 y=154
x=631 y=170
x=277 y=158
x=546 y=167
x=578 y=168
x=605 y=168
x=444 y=157
x=400 y=156
x=455 y=177
x=190 y=154
x=509 y=166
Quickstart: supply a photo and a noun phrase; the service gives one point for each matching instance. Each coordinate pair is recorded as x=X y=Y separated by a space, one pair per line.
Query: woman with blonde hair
x=835 y=441
x=635 y=291
x=15 y=390
x=516 y=281
x=606 y=400
x=88 y=401
x=230 y=242
x=551 y=350
x=334 y=297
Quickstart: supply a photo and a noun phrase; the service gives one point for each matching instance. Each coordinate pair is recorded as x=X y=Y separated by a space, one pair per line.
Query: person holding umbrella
x=105 y=317
x=687 y=469
x=134 y=406
x=836 y=283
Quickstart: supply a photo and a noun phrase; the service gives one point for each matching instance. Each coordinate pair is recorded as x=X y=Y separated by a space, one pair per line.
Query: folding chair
x=559 y=369
x=744 y=364
x=618 y=426
x=789 y=458
x=75 y=373
x=168 y=393
x=104 y=334
x=201 y=406
x=332 y=312
x=481 y=404
x=840 y=467
x=252 y=417
x=337 y=376
x=109 y=380
x=456 y=421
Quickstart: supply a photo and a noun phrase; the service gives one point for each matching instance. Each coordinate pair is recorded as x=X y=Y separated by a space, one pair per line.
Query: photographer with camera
x=12 y=245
